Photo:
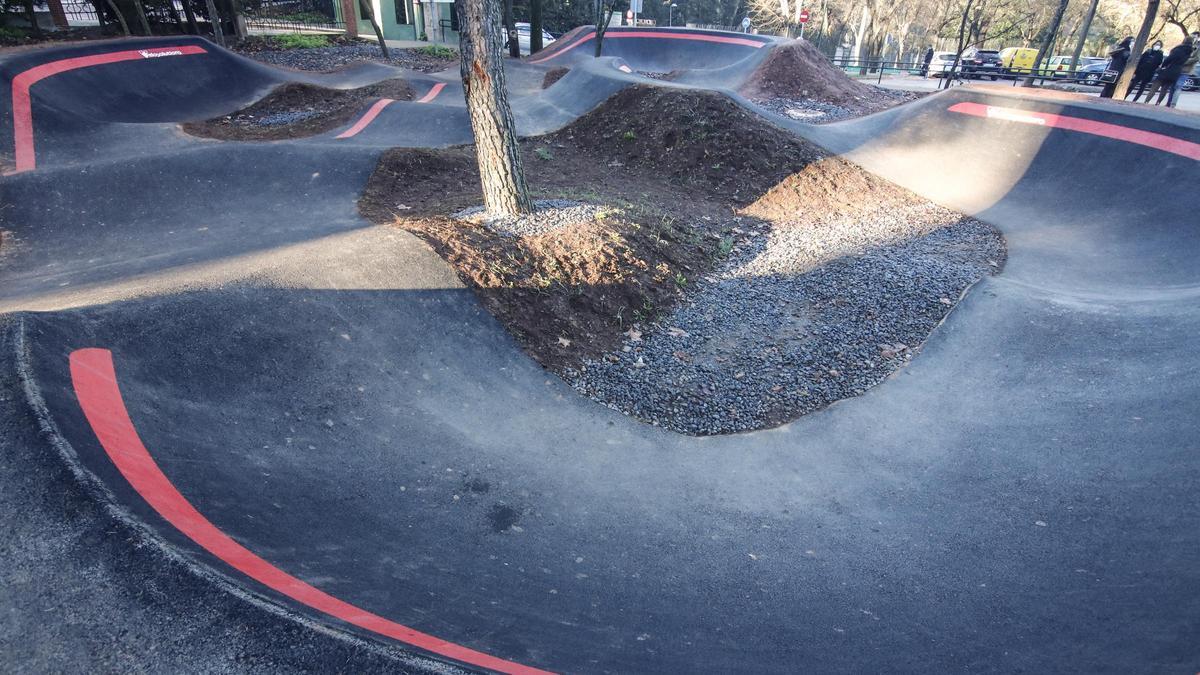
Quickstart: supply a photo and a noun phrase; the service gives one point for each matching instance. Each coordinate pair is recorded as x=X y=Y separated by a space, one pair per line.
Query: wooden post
x=350 y=17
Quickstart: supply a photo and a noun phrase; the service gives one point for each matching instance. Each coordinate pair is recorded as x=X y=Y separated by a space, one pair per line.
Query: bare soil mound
x=798 y=71
x=554 y=75
x=297 y=110
x=697 y=138
x=733 y=277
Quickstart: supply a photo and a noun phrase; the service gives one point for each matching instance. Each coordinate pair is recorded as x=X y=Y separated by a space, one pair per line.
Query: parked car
x=942 y=64
x=1091 y=73
x=1057 y=66
x=523 y=38
x=981 y=63
x=1014 y=60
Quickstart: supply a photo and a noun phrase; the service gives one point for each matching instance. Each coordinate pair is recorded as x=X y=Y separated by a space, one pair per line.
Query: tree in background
x=535 y=26
x=604 y=14
x=482 y=66
x=1139 y=45
x=1048 y=41
x=369 y=15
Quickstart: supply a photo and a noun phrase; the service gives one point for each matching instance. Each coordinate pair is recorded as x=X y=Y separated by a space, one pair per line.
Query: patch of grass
x=11 y=33
x=438 y=52
x=300 y=41
x=544 y=154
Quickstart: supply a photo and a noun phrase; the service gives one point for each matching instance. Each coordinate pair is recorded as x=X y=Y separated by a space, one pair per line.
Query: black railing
x=966 y=71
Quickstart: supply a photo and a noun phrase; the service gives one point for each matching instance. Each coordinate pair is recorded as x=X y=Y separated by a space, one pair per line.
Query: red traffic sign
x=804 y=16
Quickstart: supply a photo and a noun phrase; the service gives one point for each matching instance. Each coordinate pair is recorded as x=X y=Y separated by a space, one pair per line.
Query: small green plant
x=725 y=247
x=438 y=52
x=680 y=280
x=629 y=136
x=11 y=33
x=544 y=154
x=300 y=41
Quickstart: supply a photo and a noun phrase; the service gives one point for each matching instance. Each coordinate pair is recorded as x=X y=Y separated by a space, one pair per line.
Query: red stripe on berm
x=22 y=106
x=367 y=118
x=95 y=381
x=1148 y=139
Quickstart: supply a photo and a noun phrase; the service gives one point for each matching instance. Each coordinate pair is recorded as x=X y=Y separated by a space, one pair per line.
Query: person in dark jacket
x=1188 y=68
x=1146 y=67
x=928 y=60
x=1117 y=59
x=1170 y=70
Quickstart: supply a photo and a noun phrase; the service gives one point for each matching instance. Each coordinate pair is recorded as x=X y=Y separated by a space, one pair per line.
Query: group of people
x=1155 y=73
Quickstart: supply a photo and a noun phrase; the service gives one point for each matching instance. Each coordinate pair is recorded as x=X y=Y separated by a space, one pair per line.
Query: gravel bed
x=655 y=75
x=805 y=110
x=280 y=118
x=551 y=214
x=795 y=320
x=331 y=58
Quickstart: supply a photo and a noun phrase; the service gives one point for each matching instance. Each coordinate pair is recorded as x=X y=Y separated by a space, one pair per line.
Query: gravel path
x=331 y=58
x=798 y=318
x=551 y=214
x=805 y=110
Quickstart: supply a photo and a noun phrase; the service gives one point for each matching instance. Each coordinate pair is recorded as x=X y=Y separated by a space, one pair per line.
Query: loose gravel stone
x=550 y=215
x=331 y=58
x=805 y=110
x=798 y=318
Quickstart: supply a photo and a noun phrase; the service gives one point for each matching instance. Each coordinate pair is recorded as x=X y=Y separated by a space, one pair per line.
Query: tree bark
x=215 y=20
x=141 y=13
x=31 y=17
x=1139 y=44
x=603 y=17
x=1048 y=41
x=121 y=17
x=482 y=66
x=510 y=31
x=962 y=40
x=535 y=26
x=369 y=15
x=1083 y=33
x=191 y=17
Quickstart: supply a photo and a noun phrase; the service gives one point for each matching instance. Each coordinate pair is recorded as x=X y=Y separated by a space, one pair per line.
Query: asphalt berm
x=778 y=280
x=247 y=429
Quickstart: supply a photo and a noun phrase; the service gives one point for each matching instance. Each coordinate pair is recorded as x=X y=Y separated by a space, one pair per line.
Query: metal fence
x=292 y=15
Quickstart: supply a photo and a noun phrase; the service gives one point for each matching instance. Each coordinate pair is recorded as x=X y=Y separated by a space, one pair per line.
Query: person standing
x=1169 y=72
x=1117 y=59
x=928 y=60
x=1146 y=67
x=1188 y=66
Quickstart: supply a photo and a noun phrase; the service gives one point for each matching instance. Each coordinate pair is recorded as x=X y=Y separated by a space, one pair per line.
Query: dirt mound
x=554 y=75
x=297 y=110
x=689 y=137
x=840 y=189
x=798 y=70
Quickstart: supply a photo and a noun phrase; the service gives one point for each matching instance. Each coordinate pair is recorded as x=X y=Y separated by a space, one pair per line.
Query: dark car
x=981 y=63
x=1091 y=73
x=1191 y=81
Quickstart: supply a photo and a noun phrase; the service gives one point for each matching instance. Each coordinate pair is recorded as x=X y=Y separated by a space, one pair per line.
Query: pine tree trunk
x=535 y=26
x=141 y=12
x=482 y=65
x=191 y=17
x=31 y=17
x=369 y=15
x=1139 y=44
x=120 y=17
x=510 y=30
x=215 y=20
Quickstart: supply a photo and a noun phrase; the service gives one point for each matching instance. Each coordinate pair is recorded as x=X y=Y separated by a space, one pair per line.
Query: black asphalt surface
x=1021 y=498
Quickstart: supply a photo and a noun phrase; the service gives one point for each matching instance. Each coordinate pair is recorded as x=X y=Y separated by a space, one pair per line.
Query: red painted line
x=663 y=35
x=1149 y=139
x=23 y=110
x=367 y=118
x=95 y=382
x=432 y=94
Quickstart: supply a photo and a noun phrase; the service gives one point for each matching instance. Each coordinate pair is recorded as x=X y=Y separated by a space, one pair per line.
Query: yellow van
x=1018 y=59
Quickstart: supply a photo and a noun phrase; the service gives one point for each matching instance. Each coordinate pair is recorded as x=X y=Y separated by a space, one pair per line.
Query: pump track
x=245 y=430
